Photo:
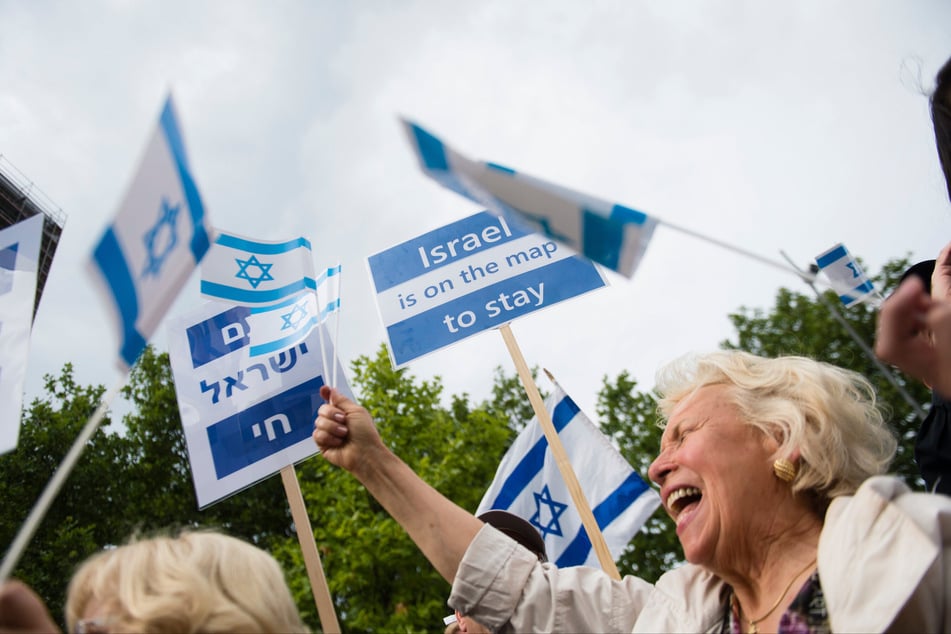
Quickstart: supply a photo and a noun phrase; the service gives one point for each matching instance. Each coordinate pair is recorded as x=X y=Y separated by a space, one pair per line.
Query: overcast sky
x=769 y=126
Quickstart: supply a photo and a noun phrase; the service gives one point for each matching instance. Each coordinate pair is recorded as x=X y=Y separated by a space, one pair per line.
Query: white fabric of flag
x=328 y=292
x=282 y=325
x=157 y=238
x=529 y=484
x=847 y=277
x=19 y=257
x=610 y=234
x=254 y=273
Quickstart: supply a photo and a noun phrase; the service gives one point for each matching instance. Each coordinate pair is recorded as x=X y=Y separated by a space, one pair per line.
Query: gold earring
x=784 y=470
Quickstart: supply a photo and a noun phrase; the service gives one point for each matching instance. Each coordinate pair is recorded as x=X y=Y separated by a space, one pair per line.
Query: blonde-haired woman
x=197 y=581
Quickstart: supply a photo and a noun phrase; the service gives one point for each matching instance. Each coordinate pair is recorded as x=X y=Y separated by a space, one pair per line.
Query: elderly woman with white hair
x=772 y=470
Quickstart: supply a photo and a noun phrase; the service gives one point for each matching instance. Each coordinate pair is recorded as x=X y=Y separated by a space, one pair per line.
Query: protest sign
x=469 y=276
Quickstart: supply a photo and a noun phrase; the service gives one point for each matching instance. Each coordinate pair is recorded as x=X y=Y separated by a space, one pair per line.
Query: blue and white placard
x=245 y=418
x=469 y=276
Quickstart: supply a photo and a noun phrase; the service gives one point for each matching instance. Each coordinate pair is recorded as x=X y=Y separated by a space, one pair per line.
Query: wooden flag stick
x=560 y=456
x=305 y=535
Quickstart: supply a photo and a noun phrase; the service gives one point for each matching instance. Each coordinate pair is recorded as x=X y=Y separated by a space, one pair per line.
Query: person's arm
x=345 y=433
x=23 y=611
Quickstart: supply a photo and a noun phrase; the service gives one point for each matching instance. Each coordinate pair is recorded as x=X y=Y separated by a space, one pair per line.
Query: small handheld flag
x=529 y=485
x=251 y=272
x=155 y=241
x=847 y=277
x=608 y=233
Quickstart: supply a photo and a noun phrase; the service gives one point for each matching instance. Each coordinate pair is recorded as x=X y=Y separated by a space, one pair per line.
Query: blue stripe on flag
x=261 y=248
x=831 y=257
x=602 y=238
x=112 y=263
x=501 y=168
x=285 y=342
x=626 y=215
x=239 y=295
x=431 y=150
x=604 y=513
x=866 y=287
x=531 y=464
x=8 y=257
x=200 y=241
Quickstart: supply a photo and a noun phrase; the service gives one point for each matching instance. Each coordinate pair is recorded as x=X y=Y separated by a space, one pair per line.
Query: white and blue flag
x=847 y=277
x=529 y=484
x=273 y=328
x=158 y=237
x=19 y=256
x=610 y=234
x=254 y=273
x=328 y=292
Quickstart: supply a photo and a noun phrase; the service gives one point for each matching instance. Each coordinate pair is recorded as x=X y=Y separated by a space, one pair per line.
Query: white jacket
x=884 y=565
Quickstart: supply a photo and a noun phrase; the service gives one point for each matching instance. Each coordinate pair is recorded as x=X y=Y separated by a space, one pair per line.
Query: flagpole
x=336 y=326
x=916 y=407
x=42 y=505
x=560 y=456
x=305 y=535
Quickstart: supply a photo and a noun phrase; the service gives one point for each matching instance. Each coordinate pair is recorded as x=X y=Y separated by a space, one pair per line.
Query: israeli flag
x=608 y=233
x=19 y=255
x=282 y=325
x=847 y=277
x=158 y=237
x=251 y=272
x=529 y=484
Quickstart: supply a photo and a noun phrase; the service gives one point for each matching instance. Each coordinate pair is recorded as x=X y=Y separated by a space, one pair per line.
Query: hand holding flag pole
x=560 y=456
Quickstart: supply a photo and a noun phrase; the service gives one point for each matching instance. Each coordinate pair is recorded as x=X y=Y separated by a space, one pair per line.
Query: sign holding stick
x=305 y=535
x=560 y=456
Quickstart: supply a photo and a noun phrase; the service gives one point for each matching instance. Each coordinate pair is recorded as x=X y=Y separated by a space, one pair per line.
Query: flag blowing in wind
x=847 y=277
x=19 y=255
x=250 y=272
x=275 y=283
x=610 y=234
x=529 y=484
x=155 y=241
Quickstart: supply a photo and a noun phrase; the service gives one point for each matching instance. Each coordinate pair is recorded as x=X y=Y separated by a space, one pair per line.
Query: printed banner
x=469 y=276
x=245 y=418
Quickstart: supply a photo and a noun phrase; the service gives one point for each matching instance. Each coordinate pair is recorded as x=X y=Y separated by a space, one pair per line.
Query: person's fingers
x=941 y=276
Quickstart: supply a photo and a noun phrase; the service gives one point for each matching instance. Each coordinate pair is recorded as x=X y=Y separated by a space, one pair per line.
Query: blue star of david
x=292 y=319
x=264 y=268
x=152 y=238
x=555 y=509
